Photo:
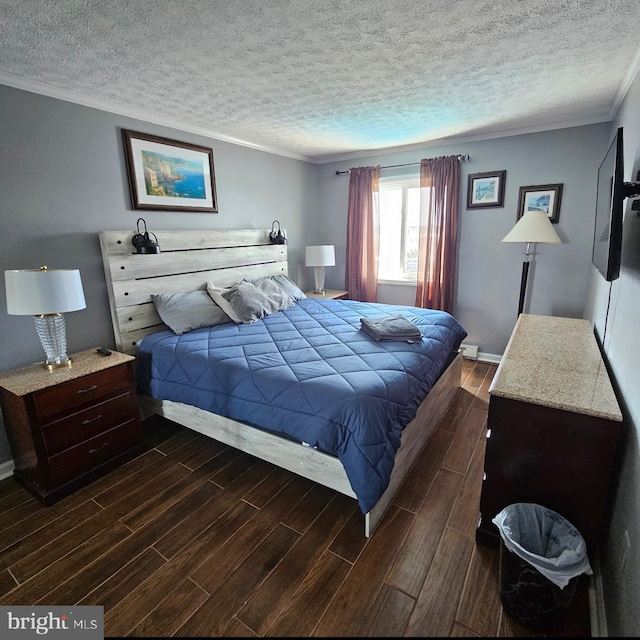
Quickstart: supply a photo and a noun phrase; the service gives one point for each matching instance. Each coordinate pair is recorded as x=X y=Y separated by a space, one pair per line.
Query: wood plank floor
x=193 y=538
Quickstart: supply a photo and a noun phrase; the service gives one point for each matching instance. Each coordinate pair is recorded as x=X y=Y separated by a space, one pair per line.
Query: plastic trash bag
x=544 y=539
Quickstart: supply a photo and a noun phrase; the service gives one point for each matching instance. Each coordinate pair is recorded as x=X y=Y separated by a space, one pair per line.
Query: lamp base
x=50 y=366
x=53 y=336
x=318 y=274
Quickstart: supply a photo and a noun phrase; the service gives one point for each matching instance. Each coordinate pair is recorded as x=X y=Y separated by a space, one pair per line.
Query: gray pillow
x=285 y=283
x=251 y=302
x=289 y=286
x=248 y=302
x=183 y=312
x=278 y=298
x=216 y=294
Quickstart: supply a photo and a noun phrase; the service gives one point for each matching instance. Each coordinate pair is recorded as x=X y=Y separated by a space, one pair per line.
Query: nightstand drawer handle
x=91 y=388
x=90 y=420
x=102 y=446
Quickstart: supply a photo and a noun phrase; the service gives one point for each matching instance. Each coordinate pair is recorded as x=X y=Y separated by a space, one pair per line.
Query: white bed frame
x=189 y=259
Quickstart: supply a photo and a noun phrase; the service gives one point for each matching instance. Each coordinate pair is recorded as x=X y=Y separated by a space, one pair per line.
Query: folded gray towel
x=395 y=327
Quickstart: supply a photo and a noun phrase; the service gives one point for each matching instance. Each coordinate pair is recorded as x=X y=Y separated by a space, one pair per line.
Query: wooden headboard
x=188 y=260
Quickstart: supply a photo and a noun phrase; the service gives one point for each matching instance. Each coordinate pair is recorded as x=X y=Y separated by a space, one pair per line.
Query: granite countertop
x=556 y=362
x=35 y=377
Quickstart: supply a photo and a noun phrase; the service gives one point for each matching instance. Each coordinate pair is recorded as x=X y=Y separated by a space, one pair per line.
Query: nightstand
x=70 y=426
x=329 y=294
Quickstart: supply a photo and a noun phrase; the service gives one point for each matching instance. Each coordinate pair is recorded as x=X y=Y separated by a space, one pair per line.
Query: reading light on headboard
x=142 y=242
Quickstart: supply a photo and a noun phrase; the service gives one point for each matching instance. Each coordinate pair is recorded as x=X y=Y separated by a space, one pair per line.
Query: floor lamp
x=532 y=227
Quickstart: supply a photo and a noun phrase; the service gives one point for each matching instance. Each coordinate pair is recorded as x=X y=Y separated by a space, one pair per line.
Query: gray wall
x=621 y=562
x=63 y=179
x=489 y=271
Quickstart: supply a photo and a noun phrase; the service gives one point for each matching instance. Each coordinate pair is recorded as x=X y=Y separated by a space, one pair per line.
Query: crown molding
x=625 y=83
x=104 y=105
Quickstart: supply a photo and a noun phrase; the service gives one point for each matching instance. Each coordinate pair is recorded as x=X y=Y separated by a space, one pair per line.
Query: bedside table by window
x=329 y=294
x=67 y=427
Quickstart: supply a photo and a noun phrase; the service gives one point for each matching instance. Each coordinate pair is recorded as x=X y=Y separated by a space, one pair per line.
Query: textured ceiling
x=324 y=79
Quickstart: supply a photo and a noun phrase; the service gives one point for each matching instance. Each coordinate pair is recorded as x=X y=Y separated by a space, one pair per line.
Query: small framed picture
x=541 y=197
x=169 y=175
x=486 y=189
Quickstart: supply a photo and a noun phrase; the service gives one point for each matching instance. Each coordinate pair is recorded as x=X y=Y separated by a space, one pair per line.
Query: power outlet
x=470 y=351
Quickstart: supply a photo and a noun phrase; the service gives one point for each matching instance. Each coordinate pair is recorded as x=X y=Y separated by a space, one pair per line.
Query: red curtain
x=439 y=188
x=363 y=234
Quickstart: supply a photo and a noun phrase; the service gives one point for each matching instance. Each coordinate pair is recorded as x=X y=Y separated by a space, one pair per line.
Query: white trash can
x=542 y=556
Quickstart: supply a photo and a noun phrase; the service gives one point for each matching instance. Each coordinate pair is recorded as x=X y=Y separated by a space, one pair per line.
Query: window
x=399 y=229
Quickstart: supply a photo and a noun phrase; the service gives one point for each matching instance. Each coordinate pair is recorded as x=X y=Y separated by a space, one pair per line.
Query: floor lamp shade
x=532 y=227
x=46 y=294
x=319 y=257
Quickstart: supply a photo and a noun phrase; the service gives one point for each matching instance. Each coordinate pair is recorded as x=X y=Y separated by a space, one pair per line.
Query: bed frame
x=189 y=259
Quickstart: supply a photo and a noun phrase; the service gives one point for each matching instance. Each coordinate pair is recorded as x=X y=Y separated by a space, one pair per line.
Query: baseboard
x=472 y=352
x=6 y=469
x=492 y=358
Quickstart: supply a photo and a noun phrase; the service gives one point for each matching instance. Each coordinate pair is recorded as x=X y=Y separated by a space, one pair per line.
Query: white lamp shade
x=320 y=256
x=42 y=291
x=533 y=226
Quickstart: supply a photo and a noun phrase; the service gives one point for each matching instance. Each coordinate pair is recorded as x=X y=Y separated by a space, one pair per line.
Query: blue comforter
x=309 y=373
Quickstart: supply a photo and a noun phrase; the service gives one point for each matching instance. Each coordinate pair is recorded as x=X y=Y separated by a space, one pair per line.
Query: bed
x=303 y=388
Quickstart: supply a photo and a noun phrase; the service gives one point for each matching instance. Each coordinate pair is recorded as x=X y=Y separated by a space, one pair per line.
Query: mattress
x=309 y=373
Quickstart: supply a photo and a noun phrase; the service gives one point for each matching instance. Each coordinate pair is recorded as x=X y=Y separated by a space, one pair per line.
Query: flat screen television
x=611 y=194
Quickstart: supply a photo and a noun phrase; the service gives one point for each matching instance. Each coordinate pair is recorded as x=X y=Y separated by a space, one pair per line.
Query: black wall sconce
x=277 y=235
x=142 y=242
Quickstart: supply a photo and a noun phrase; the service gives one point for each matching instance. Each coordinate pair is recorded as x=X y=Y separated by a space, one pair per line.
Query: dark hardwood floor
x=193 y=538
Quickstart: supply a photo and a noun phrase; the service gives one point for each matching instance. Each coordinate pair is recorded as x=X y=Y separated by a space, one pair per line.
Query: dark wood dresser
x=553 y=427
x=69 y=426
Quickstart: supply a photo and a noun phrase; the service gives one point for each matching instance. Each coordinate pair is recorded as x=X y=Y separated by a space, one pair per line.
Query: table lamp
x=319 y=257
x=46 y=294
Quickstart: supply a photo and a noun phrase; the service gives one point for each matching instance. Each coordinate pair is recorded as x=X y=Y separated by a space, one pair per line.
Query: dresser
x=554 y=426
x=69 y=426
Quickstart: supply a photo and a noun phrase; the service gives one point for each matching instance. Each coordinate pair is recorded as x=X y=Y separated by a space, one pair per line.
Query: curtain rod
x=462 y=158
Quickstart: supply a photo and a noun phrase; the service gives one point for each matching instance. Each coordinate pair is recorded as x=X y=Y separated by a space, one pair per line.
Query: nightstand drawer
x=52 y=401
x=89 y=454
x=79 y=426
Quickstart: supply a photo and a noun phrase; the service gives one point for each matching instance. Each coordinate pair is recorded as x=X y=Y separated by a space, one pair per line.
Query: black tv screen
x=607 y=237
